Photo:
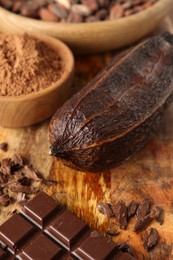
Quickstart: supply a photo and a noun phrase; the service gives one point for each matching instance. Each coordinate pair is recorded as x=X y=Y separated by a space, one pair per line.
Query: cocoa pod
x=114 y=115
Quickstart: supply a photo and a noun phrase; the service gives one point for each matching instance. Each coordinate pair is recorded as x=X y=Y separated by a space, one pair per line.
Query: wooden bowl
x=96 y=36
x=25 y=110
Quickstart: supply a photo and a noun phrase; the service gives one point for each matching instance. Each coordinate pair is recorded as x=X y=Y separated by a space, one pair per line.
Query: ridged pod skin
x=115 y=114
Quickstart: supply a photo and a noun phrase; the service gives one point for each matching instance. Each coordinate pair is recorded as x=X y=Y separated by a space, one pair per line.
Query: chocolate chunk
x=105 y=208
x=15 y=231
x=4 y=147
x=151 y=240
x=143 y=208
x=40 y=209
x=105 y=248
x=59 y=234
x=6 y=166
x=68 y=229
x=42 y=247
x=132 y=208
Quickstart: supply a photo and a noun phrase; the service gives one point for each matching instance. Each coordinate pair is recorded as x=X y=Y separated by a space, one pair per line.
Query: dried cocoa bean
x=47 y=15
x=115 y=114
x=58 y=10
x=116 y=11
x=76 y=10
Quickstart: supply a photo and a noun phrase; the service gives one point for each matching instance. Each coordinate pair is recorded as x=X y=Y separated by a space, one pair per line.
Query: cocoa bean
x=76 y=11
x=116 y=11
x=74 y=18
x=47 y=15
x=58 y=10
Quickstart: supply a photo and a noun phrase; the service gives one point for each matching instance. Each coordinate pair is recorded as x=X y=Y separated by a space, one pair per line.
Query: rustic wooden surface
x=149 y=173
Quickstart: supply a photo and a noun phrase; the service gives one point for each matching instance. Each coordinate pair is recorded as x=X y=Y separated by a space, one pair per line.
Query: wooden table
x=149 y=173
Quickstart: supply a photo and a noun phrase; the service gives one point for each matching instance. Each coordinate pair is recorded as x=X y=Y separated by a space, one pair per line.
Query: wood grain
x=149 y=173
x=92 y=37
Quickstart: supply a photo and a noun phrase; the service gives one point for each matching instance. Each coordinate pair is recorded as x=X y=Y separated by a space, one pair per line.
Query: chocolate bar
x=44 y=230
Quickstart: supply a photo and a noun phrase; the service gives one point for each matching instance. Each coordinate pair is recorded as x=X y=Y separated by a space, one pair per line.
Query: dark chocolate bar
x=43 y=230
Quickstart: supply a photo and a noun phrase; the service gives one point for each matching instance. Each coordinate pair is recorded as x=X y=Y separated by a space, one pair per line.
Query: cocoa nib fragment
x=5 y=200
x=49 y=182
x=160 y=215
x=19 y=160
x=4 y=147
x=143 y=223
x=6 y=166
x=3 y=178
x=143 y=209
x=17 y=187
x=105 y=208
x=25 y=181
x=132 y=208
x=31 y=173
x=120 y=211
x=151 y=240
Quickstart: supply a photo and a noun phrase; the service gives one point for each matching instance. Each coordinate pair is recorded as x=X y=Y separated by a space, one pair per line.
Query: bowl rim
x=157 y=5
x=66 y=73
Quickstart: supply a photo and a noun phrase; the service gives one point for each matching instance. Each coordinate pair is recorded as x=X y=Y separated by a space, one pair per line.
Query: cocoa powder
x=26 y=65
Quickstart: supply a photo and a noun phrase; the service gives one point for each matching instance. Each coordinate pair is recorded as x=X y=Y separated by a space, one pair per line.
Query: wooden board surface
x=149 y=173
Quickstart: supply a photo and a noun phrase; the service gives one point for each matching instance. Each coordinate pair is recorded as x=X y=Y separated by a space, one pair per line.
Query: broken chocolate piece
x=151 y=240
x=105 y=208
x=4 y=147
x=143 y=209
x=132 y=208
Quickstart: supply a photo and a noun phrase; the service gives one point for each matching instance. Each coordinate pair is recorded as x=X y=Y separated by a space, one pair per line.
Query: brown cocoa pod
x=115 y=114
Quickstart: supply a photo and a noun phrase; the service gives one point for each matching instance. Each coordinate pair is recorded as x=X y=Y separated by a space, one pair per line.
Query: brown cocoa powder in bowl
x=27 y=65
